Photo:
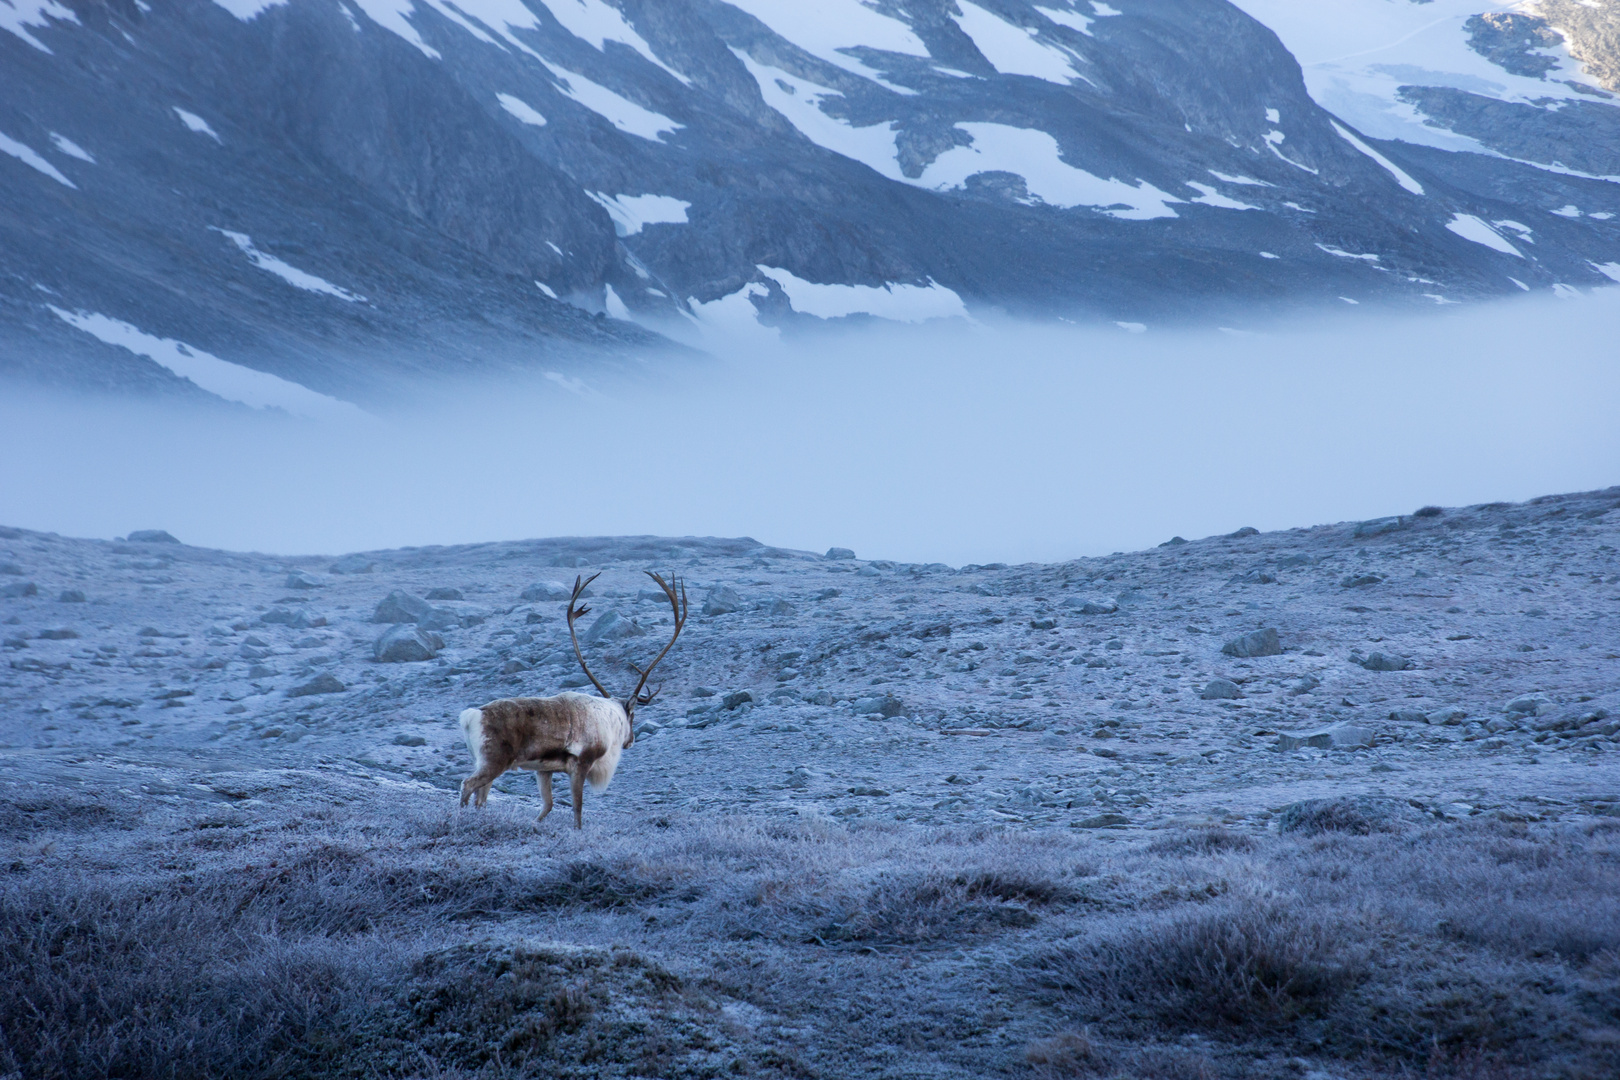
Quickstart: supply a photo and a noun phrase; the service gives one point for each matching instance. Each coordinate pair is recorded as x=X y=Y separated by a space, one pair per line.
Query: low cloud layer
x=939 y=443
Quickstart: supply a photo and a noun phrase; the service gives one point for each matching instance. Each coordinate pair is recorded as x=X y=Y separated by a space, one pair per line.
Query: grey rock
x=840 y=553
x=18 y=589
x=293 y=732
x=1357 y=814
x=1174 y=541
x=703 y=691
x=1379 y=527
x=63 y=634
x=1338 y=736
x=444 y=594
x=1409 y=716
x=1256 y=576
x=735 y=698
x=403 y=644
x=829 y=594
x=1380 y=661
x=885 y=705
x=513 y=667
x=150 y=536
x=1511 y=41
x=548 y=591
x=780 y=607
x=71 y=596
x=1094 y=607
x=300 y=580
x=1305 y=685
x=1103 y=821
x=297 y=618
x=1043 y=624
x=722 y=600
x=1256 y=643
x=611 y=626
x=323 y=683
x=401 y=607
x=352 y=564
x=1356 y=581
x=1288 y=562
x=1220 y=690
x=11 y=568
x=1247 y=530
x=820 y=697
x=409 y=740
x=261 y=671
x=1530 y=704
x=1447 y=717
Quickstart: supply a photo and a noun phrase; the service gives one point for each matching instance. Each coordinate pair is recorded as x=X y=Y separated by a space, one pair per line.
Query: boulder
x=780 y=607
x=1174 y=541
x=722 y=600
x=297 y=618
x=1288 y=562
x=1356 y=581
x=840 y=553
x=401 y=607
x=736 y=698
x=150 y=536
x=409 y=740
x=444 y=594
x=19 y=589
x=404 y=644
x=63 y=634
x=1410 y=716
x=1358 y=814
x=1256 y=576
x=1379 y=527
x=1338 y=736
x=1385 y=662
x=71 y=596
x=611 y=626
x=1247 y=530
x=1305 y=685
x=886 y=705
x=547 y=590
x=1220 y=690
x=11 y=568
x=1094 y=607
x=300 y=580
x=1043 y=624
x=1256 y=643
x=1529 y=705
x=323 y=683
x=352 y=564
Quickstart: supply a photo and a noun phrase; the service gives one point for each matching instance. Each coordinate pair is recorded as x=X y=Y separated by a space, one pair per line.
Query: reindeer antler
x=574 y=613
x=680 y=607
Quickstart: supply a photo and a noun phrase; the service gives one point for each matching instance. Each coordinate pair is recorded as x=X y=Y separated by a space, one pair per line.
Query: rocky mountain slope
x=272 y=199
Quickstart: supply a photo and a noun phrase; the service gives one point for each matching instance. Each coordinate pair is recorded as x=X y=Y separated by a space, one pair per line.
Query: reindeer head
x=677 y=601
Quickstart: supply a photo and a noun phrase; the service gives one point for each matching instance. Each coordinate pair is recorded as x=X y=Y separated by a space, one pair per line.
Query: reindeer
x=573 y=733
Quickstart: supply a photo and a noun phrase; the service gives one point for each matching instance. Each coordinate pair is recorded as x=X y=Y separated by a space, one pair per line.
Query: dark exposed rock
x=1508 y=40
x=1220 y=690
x=444 y=594
x=1338 y=736
x=297 y=618
x=840 y=553
x=71 y=596
x=1356 y=581
x=884 y=705
x=1263 y=642
x=722 y=600
x=321 y=684
x=548 y=591
x=300 y=580
x=401 y=607
x=404 y=643
x=1379 y=661
x=150 y=536
x=18 y=589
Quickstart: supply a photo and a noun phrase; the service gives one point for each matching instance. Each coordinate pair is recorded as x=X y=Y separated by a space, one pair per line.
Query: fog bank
x=949 y=443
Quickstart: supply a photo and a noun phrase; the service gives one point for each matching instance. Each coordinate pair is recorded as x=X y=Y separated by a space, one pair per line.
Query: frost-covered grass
x=336 y=936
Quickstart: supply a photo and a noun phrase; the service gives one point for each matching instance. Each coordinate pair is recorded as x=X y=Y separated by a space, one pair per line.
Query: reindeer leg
x=476 y=787
x=545 y=793
x=576 y=788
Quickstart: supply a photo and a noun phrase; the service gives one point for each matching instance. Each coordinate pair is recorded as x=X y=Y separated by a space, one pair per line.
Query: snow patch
x=1357 y=54
x=1011 y=49
x=18 y=15
x=285 y=271
x=521 y=109
x=197 y=124
x=1521 y=284
x=1341 y=253
x=826 y=27
x=65 y=145
x=1035 y=156
x=1238 y=179
x=631 y=212
x=1072 y=19
x=1567 y=211
x=1267 y=255
x=1103 y=10
x=597 y=23
x=247 y=10
x=799 y=101
x=898 y=303
x=1608 y=270
x=28 y=156
x=735 y=315
x=1390 y=167
x=1211 y=197
x=233 y=382
x=621 y=112
x=1472 y=228
x=615 y=306
x=547 y=289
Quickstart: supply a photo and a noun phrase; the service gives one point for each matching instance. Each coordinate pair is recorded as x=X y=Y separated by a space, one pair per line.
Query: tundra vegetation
x=885 y=820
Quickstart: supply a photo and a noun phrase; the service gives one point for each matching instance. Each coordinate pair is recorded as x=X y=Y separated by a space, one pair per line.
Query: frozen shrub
x=1213 y=840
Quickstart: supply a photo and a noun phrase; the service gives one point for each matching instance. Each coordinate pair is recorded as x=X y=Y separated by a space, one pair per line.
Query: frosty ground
x=883 y=820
